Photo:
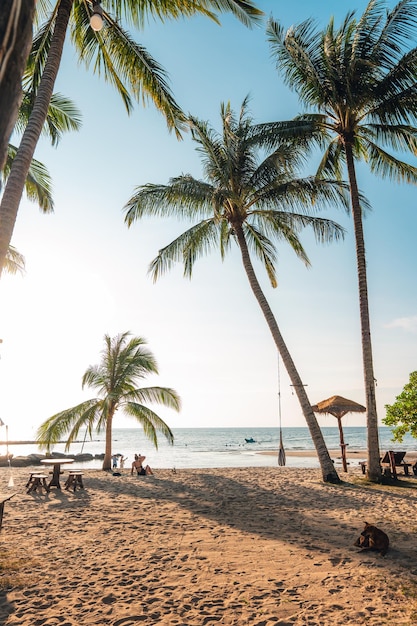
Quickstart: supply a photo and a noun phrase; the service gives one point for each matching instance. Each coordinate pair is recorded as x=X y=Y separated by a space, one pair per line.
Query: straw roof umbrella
x=338 y=406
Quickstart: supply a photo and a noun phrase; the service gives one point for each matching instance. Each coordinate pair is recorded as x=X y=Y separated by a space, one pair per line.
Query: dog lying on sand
x=373 y=538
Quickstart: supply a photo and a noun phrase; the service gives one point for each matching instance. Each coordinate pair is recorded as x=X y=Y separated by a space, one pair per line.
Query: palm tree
x=251 y=202
x=124 y=63
x=125 y=361
x=16 y=38
x=361 y=81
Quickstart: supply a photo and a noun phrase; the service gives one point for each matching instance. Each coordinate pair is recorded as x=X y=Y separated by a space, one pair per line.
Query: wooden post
x=342 y=444
x=392 y=467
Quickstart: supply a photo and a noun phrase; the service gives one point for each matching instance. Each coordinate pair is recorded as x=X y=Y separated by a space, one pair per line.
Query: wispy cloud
x=409 y=324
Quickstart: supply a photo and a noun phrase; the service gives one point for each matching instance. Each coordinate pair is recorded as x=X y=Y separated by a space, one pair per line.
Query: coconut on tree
x=125 y=362
x=253 y=196
x=358 y=83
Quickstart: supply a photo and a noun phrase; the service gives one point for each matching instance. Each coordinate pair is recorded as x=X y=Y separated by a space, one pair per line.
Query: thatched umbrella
x=338 y=406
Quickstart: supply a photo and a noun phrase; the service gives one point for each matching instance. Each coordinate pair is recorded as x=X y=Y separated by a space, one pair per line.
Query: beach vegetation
x=112 y=53
x=15 y=262
x=125 y=361
x=252 y=196
x=16 y=39
x=401 y=416
x=358 y=85
x=62 y=116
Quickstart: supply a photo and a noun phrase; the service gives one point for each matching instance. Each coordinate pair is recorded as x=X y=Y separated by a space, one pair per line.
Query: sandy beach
x=197 y=547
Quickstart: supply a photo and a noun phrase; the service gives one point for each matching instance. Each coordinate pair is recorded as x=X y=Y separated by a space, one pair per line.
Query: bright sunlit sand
x=235 y=546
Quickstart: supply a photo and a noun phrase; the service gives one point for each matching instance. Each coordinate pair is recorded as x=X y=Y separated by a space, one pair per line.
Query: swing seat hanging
x=281 y=451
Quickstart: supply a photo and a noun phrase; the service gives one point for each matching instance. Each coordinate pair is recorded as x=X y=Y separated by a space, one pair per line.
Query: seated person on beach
x=138 y=466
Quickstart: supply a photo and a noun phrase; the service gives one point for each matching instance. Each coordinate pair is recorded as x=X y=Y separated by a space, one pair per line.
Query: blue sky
x=87 y=273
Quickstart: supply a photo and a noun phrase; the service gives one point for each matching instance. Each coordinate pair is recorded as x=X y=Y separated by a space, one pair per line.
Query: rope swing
x=281 y=451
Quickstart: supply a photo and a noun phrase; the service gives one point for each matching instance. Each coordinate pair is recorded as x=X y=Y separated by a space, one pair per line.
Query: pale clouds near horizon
x=409 y=324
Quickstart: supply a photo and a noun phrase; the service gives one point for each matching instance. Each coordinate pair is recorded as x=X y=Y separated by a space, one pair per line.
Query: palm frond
x=126 y=65
x=190 y=245
x=67 y=424
x=243 y=10
x=263 y=249
x=38 y=185
x=63 y=116
x=14 y=262
x=397 y=137
x=41 y=44
x=150 y=422
x=396 y=31
x=331 y=162
x=184 y=197
x=388 y=166
x=155 y=395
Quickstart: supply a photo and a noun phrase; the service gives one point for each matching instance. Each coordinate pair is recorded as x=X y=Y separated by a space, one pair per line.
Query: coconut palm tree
x=111 y=51
x=251 y=202
x=16 y=19
x=359 y=83
x=125 y=361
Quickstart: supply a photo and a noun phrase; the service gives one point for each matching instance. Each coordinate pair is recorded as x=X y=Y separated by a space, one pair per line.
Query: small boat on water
x=250 y=440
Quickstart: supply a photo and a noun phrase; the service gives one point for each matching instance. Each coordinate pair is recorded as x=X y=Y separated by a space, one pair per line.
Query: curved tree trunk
x=373 y=465
x=15 y=41
x=16 y=181
x=328 y=470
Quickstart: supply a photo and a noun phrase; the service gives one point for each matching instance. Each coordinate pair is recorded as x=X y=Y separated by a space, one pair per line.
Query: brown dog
x=372 y=538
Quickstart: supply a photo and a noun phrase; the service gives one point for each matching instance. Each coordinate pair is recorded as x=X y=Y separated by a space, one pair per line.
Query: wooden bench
x=389 y=463
x=3 y=499
x=74 y=480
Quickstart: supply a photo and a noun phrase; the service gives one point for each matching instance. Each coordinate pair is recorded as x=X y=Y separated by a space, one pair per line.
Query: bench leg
x=69 y=482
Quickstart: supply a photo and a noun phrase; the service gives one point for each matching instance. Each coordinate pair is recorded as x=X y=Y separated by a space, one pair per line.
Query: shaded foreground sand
x=197 y=547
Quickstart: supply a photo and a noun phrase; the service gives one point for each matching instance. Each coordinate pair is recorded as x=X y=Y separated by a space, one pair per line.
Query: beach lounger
x=389 y=463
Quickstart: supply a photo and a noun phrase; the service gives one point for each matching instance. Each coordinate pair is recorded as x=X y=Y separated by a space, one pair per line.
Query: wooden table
x=56 y=463
x=4 y=497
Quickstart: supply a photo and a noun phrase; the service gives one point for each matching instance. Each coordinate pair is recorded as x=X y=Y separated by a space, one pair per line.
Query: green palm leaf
x=38 y=182
x=125 y=361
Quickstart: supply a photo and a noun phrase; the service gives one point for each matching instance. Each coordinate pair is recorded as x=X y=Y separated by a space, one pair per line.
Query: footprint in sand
x=128 y=621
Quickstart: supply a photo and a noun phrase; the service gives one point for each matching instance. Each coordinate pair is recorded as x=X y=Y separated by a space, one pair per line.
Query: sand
x=200 y=547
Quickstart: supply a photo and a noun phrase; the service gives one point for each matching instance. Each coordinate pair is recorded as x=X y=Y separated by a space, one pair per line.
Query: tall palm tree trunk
x=108 y=445
x=373 y=465
x=328 y=470
x=16 y=39
x=16 y=181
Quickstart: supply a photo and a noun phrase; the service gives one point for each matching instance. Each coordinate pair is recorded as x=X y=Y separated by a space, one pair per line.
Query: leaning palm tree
x=125 y=361
x=360 y=82
x=112 y=52
x=250 y=202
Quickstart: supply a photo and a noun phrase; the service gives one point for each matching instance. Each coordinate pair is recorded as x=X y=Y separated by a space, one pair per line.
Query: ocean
x=220 y=447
